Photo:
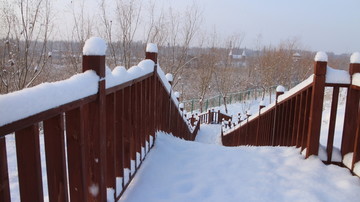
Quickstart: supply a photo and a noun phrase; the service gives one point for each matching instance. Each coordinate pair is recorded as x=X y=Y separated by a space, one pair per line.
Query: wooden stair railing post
x=279 y=91
x=261 y=105
x=151 y=53
x=4 y=183
x=355 y=95
x=317 y=99
x=95 y=126
x=351 y=110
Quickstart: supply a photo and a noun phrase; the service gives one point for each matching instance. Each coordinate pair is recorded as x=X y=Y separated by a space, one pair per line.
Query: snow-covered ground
x=178 y=170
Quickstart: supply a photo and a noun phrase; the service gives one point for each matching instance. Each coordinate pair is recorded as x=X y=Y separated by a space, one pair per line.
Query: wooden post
x=95 y=129
x=29 y=164
x=4 y=179
x=279 y=91
x=333 y=113
x=77 y=164
x=151 y=53
x=55 y=158
x=110 y=141
x=317 y=99
x=350 y=119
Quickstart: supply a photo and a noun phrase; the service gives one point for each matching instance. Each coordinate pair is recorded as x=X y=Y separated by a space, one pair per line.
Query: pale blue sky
x=327 y=25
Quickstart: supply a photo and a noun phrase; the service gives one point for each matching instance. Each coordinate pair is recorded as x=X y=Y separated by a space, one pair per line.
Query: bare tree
x=128 y=13
x=227 y=76
x=81 y=30
x=181 y=31
x=24 y=49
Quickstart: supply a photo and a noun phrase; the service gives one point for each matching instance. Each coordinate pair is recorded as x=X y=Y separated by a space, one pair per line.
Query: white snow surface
x=209 y=134
x=296 y=88
x=24 y=103
x=178 y=170
x=355 y=58
x=337 y=76
x=94 y=46
x=169 y=77
x=356 y=79
x=120 y=75
x=151 y=48
x=280 y=88
x=321 y=57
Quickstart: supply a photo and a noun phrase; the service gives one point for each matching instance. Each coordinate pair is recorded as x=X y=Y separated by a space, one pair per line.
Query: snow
x=321 y=57
x=94 y=46
x=280 y=88
x=356 y=79
x=348 y=158
x=337 y=76
x=357 y=168
x=120 y=75
x=209 y=134
x=297 y=88
x=24 y=103
x=178 y=170
x=118 y=185
x=151 y=48
x=355 y=58
x=181 y=105
x=169 y=77
x=110 y=194
x=177 y=94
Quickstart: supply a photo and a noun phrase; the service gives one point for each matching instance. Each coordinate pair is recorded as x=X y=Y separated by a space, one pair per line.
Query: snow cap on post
x=355 y=58
x=177 y=94
x=95 y=46
x=321 y=57
x=354 y=64
x=262 y=104
x=151 y=48
x=181 y=106
x=280 y=89
x=169 y=77
x=151 y=52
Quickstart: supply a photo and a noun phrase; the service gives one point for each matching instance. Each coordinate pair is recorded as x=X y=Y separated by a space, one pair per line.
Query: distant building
x=237 y=59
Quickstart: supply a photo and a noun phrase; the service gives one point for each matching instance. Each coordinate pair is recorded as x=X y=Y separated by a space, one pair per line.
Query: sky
x=319 y=25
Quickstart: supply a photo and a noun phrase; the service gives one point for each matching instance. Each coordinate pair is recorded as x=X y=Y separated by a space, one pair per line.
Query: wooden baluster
x=55 y=158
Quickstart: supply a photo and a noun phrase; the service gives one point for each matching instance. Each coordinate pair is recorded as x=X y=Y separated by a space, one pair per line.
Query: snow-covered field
x=178 y=170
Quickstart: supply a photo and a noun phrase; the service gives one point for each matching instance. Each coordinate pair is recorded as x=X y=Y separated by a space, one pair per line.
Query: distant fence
x=295 y=117
x=106 y=136
x=216 y=101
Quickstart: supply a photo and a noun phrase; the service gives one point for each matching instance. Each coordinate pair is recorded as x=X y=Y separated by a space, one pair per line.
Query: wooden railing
x=209 y=117
x=295 y=118
x=93 y=145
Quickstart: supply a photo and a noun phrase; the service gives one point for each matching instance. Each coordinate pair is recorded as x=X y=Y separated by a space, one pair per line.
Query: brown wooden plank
x=333 y=113
x=127 y=127
x=110 y=141
x=316 y=109
x=119 y=133
x=350 y=121
x=307 y=119
x=77 y=165
x=4 y=176
x=29 y=164
x=356 y=156
x=55 y=158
